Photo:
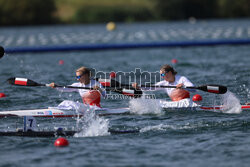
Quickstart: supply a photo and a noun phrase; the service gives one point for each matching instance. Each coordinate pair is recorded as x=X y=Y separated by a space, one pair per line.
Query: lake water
x=167 y=138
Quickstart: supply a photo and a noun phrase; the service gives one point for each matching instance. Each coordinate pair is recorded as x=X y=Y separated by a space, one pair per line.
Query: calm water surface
x=185 y=138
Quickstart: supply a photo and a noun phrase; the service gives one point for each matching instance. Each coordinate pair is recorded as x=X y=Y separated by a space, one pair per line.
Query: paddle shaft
x=184 y=87
x=121 y=90
x=60 y=86
x=218 y=89
x=76 y=87
x=117 y=87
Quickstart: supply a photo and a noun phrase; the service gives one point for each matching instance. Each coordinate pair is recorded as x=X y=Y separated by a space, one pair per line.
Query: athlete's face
x=166 y=75
x=82 y=77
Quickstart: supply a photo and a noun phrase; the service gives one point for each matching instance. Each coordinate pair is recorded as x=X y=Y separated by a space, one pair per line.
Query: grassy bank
x=69 y=11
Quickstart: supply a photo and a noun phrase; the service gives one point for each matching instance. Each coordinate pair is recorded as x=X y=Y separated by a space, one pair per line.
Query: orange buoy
x=61 y=142
x=197 y=97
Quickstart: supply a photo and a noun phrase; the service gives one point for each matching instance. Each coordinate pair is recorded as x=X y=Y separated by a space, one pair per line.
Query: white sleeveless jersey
x=178 y=80
x=83 y=91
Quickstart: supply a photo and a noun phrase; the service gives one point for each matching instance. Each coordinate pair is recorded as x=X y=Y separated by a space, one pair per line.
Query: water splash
x=230 y=103
x=90 y=124
x=145 y=106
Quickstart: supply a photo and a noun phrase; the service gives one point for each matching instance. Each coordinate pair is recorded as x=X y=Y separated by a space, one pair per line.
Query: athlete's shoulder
x=186 y=81
x=93 y=81
x=76 y=84
x=162 y=83
x=184 y=78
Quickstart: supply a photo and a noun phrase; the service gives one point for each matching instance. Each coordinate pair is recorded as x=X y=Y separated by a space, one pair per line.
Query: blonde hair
x=83 y=70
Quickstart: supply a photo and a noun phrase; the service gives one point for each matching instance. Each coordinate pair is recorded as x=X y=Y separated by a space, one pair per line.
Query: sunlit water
x=166 y=138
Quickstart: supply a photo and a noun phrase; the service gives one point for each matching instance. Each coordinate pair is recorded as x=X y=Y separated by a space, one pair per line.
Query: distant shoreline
x=61 y=12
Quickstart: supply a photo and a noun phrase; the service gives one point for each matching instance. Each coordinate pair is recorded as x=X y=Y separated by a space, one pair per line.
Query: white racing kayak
x=187 y=104
x=55 y=112
x=72 y=109
x=65 y=109
x=204 y=108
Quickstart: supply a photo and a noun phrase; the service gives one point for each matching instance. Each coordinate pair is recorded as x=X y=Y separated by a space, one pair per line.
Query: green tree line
x=27 y=12
x=36 y=12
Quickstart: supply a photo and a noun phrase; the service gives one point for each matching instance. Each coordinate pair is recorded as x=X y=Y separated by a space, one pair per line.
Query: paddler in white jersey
x=90 y=97
x=171 y=79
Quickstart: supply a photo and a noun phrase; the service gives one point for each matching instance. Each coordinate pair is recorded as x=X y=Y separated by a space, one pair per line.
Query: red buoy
x=2 y=95
x=61 y=142
x=174 y=61
x=112 y=74
x=197 y=97
x=61 y=62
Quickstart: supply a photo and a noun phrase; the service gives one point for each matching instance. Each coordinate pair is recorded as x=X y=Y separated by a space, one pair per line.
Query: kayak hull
x=53 y=112
x=57 y=133
x=184 y=105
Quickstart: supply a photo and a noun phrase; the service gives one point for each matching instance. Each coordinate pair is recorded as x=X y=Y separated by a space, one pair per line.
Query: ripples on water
x=166 y=138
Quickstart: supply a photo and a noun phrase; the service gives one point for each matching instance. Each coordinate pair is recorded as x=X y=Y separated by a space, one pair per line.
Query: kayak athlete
x=90 y=97
x=171 y=79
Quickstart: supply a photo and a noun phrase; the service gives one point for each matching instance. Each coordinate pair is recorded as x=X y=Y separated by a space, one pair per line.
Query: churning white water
x=145 y=106
x=230 y=103
x=90 y=124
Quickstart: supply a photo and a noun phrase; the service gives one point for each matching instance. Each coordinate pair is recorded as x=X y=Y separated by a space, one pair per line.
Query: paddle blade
x=23 y=82
x=132 y=92
x=127 y=92
x=218 y=89
x=108 y=82
x=1 y=52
